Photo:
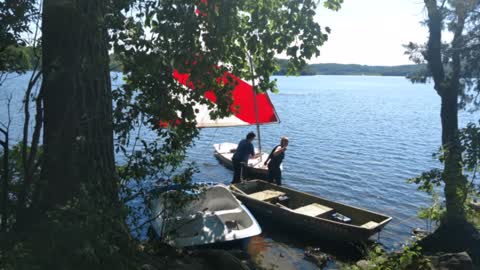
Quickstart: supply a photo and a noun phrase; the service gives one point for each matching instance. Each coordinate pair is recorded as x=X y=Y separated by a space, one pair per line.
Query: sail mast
x=254 y=88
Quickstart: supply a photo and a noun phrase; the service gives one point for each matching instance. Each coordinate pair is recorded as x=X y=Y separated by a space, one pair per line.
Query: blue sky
x=371 y=32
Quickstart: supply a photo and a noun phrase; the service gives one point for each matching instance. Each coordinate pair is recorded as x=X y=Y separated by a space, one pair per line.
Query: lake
x=353 y=139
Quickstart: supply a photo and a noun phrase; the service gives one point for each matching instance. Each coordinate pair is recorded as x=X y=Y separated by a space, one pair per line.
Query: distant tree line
x=352 y=69
x=27 y=59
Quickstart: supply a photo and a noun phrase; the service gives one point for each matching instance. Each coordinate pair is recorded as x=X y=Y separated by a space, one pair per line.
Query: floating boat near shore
x=255 y=168
x=250 y=107
x=214 y=216
x=308 y=213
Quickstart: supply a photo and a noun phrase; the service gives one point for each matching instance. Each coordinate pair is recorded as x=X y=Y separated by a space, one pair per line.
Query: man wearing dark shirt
x=244 y=151
x=274 y=161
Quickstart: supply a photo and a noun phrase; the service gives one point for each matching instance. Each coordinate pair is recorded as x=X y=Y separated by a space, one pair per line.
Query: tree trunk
x=455 y=183
x=448 y=87
x=78 y=132
x=5 y=177
x=453 y=177
x=434 y=49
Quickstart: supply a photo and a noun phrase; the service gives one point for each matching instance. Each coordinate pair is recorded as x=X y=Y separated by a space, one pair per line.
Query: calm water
x=353 y=139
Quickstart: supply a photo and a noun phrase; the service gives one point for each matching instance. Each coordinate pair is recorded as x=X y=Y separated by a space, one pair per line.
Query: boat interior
x=226 y=150
x=309 y=205
x=208 y=218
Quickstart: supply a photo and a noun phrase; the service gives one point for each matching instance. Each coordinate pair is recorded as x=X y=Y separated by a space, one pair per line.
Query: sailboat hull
x=256 y=168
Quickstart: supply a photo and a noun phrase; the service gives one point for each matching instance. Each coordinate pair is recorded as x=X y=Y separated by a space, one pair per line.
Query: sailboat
x=248 y=108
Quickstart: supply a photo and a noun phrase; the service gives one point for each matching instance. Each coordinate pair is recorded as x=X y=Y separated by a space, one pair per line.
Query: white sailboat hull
x=256 y=167
x=216 y=216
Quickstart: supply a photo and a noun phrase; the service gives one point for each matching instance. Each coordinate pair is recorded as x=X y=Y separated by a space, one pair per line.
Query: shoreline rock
x=452 y=261
x=316 y=256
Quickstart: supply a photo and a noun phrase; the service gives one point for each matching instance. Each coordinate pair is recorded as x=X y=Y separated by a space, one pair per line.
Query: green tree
x=76 y=205
x=455 y=72
x=78 y=137
x=193 y=37
x=454 y=69
x=15 y=16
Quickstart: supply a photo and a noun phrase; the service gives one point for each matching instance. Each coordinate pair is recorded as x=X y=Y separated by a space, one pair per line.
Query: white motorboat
x=255 y=167
x=214 y=216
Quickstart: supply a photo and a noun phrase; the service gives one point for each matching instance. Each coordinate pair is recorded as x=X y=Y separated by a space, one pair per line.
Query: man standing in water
x=244 y=151
x=274 y=161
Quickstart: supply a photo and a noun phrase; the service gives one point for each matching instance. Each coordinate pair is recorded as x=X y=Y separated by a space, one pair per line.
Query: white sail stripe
x=204 y=120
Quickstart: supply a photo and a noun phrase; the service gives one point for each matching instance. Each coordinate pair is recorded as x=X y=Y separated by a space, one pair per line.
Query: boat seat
x=370 y=225
x=266 y=195
x=313 y=210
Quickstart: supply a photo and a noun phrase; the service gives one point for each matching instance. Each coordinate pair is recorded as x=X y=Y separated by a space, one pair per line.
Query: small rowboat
x=308 y=213
x=215 y=216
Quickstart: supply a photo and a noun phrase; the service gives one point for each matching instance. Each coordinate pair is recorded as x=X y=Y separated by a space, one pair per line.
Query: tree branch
x=5 y=173
x=148 y=221
x=434 y=53
x=30 y=164
x=442 y=6
x=457 y=43
x=3 y=77
x=129 y=198
x=31 y=83
x=5 y=176
x=6 y=127
x=4 y=131
x=33 y=80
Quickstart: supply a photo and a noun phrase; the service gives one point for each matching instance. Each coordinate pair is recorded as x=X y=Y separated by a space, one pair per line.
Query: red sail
x=243 y=108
